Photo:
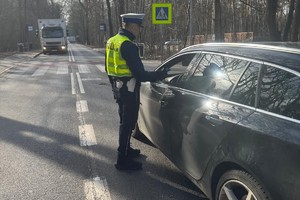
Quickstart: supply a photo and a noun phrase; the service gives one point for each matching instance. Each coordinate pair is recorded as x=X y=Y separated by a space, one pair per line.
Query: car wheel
x=239 y=185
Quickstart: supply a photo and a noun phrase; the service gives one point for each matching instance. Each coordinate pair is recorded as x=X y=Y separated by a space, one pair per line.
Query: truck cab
x=53 y=35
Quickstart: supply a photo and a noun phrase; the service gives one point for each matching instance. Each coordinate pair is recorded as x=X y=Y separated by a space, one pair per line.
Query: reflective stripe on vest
x=115 y=64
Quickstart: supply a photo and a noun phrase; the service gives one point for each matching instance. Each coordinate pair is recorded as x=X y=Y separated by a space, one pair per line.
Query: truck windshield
x=52 y=33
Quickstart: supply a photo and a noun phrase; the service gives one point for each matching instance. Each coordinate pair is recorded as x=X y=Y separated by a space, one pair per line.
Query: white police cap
x=136 y=18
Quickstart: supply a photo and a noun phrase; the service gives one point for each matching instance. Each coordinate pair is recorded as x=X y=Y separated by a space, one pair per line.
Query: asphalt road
x=59 y=133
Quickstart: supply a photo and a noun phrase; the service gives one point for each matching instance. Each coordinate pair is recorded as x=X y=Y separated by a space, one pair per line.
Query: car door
x=199 y=114
x=152 y=119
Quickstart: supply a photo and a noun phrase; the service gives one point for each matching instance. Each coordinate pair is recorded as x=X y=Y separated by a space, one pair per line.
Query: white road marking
x=36 y=63
x=80 y=83
x=81 y=106
x=71 y=57
x=87 y=135
x=91 y=79
x=17 y=70
x=9 y=67
x=73 y=84
x=40 y=71
x=62 y=69
x=101 y=68
x=83 y=69
x=177 y=186
x=96 y=189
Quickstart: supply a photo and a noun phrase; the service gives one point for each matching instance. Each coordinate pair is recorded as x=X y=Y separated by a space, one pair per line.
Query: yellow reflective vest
x=115 y=64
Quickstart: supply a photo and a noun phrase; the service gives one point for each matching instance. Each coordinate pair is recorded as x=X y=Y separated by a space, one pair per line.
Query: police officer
x=126 y=72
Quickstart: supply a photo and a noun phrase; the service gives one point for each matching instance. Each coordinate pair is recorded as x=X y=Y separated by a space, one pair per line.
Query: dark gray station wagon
x=228 y=117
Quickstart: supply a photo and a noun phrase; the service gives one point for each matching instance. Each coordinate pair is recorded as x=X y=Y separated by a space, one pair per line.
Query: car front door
x=155 y=97
x=199 y=114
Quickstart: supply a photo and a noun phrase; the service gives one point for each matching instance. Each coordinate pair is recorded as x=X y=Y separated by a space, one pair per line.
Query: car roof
x=282 y=53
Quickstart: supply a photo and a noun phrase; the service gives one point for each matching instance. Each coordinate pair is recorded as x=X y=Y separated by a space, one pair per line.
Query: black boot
x=132 y=153
x=126 y=163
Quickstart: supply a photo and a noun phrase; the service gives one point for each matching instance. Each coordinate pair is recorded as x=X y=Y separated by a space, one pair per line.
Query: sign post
x=162 y=14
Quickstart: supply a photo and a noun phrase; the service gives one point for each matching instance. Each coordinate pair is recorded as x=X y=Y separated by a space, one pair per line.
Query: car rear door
x=274 y=128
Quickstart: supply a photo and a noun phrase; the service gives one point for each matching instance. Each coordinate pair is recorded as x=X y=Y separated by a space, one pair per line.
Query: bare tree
x=85 y=7
x=16 y=16
x=267 y=19
x=296 y=24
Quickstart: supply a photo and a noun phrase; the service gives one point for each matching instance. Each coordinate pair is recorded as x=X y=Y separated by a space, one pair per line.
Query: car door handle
x=214 y=119
x=163 y=102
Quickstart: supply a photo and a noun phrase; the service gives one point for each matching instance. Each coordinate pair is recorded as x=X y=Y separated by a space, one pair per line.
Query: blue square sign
x=162 y=13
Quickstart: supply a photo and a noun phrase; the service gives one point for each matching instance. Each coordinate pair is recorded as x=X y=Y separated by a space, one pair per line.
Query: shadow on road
x=62 y=149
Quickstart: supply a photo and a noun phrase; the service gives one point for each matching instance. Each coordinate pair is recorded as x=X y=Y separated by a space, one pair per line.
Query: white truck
x=53 y=35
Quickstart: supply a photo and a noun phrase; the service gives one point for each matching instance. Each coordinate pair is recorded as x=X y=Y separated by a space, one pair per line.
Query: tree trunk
x=86 y=21
x=296 y=24
x=87 y=30
x=219 y=37
x=111 y=32
x=289 y=20
x=272 y=21
x=121 y=10
x=234 y=37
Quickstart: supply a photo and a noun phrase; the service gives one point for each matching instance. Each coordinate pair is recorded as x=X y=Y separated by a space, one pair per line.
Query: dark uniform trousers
x=129 y=103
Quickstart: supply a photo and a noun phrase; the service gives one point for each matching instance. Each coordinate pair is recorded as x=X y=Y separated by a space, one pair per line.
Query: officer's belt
x=129 y=82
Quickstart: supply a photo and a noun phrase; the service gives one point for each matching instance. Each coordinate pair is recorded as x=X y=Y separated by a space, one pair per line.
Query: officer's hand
x=164 y=73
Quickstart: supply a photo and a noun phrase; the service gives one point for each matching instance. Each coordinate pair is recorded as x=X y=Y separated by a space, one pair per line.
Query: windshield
x=52 y=33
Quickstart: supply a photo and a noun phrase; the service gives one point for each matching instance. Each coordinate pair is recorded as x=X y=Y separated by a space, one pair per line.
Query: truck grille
x=53 y=43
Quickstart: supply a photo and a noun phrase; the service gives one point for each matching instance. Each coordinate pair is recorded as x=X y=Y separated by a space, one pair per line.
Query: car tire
x=238 y=184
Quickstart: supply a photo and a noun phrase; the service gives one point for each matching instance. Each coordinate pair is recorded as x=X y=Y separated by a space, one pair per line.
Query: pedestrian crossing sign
x=162 y=13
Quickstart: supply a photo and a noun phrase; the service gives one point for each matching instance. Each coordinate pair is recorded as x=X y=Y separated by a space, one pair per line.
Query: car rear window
x=280 y=92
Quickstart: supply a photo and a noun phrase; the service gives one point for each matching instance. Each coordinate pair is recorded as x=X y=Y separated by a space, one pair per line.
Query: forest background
x=92 y=22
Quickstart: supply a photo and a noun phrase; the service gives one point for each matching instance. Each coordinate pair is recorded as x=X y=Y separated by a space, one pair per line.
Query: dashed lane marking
x=87 y=135
x=73 y=84
x=80 y=83
x=71 y=57
x=101 y=68
x=81 y=106
x=96 y=189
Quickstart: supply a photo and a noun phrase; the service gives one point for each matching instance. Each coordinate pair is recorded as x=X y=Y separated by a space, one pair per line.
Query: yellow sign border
x=162 y=5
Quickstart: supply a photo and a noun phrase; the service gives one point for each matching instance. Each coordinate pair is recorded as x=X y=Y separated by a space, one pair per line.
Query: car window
x=280 y=92
x=245 y=91
x=178 y=67
x=216 y=75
